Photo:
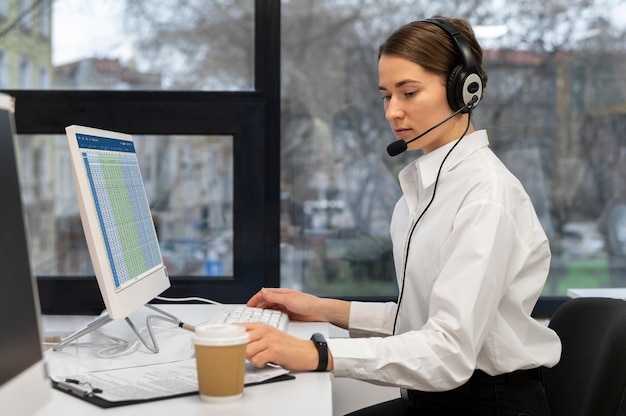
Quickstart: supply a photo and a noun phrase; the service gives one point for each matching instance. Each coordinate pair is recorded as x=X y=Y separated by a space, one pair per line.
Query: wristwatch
x=322 y=350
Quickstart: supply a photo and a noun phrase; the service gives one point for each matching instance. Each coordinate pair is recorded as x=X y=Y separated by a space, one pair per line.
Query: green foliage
x=585 y=273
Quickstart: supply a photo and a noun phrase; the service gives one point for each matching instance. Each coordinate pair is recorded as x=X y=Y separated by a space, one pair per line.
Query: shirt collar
x=427 y=165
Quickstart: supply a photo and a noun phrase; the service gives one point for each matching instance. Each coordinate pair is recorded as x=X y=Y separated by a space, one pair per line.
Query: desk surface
x=308 y=394
x=605 y=292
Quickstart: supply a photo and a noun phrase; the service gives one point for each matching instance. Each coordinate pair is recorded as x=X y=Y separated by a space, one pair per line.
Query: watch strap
x=322 y=351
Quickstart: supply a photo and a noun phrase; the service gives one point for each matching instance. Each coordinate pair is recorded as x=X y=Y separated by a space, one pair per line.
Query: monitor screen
x=116 y=218
x=24 y=385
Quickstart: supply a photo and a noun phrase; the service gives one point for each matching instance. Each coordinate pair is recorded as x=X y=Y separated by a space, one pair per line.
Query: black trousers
x=520 y=393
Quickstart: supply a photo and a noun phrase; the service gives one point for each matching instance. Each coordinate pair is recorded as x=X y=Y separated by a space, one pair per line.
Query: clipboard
x=90 y=394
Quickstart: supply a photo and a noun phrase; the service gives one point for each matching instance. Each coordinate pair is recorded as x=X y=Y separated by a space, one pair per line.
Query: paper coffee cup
x=220 y=361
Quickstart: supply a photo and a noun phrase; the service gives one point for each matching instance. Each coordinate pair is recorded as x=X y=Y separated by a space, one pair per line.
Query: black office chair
x=590 y=379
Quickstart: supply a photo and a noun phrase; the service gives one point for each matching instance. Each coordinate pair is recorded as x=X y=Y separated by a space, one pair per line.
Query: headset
x=464 y=86
x=463 y=89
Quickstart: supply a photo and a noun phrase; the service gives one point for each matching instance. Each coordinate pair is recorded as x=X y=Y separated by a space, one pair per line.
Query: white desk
x=608 y=292
x=308 y=394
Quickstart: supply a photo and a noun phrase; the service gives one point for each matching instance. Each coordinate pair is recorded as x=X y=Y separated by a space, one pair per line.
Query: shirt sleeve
x=482 y=254
x=370 y=319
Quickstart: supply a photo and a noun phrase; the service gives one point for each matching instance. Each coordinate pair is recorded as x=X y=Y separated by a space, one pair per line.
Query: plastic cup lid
x=221 y=334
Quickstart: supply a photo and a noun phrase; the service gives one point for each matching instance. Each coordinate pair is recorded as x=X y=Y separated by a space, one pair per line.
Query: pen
x=186 y=326
x=75 y=388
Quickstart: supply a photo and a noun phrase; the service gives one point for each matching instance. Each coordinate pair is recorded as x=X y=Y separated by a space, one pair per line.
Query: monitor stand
x=105 y=319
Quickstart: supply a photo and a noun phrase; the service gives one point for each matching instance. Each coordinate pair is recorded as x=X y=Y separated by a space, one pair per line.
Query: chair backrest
x=590 y=379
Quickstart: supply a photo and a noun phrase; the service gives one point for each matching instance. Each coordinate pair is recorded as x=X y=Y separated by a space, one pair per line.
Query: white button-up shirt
x=477 y=262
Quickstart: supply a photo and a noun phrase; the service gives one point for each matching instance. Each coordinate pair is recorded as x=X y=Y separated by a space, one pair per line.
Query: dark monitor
x=24 y=385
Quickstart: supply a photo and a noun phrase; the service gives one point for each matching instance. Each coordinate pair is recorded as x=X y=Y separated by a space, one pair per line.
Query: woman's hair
x=431 y=47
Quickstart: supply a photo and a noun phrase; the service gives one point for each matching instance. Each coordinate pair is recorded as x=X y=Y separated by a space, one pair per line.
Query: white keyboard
x=229 y=314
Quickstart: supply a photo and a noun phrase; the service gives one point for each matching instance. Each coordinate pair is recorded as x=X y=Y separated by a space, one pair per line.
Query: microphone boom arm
x=399 y=146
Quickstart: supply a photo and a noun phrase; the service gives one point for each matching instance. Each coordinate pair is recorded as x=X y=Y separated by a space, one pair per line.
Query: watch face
x=318 y=338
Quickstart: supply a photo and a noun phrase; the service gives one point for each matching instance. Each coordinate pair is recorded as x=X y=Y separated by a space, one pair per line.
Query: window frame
x=252 y=118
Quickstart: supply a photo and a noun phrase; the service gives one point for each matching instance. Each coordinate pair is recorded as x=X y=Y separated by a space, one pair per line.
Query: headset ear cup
x=454 y=88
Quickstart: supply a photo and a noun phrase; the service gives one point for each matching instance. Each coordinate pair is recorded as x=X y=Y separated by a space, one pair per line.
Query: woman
x=470 y=255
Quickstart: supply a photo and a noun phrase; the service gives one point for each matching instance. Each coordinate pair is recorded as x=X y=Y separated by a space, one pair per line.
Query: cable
x=213 y=302
x=406 y=259
x=185 y=325
x=154 y=348
x=153 y=345
x=122 y=345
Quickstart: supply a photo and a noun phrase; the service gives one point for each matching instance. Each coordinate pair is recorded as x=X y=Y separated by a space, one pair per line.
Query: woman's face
x=415 y=100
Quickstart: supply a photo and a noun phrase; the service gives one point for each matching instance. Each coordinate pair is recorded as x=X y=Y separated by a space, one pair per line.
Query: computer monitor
x=24 y=385
x=116 y=218
x=117 y=222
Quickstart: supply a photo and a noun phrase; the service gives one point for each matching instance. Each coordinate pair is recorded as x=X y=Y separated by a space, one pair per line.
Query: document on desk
x=150 y=382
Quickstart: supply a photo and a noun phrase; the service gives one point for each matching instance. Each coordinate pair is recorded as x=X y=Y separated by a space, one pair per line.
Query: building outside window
x=3 y=70
x=25 y=74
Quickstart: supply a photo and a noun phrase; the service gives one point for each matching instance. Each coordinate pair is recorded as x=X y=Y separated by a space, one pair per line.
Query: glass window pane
x=189 y=184
x=131 y=44
x=554 y=109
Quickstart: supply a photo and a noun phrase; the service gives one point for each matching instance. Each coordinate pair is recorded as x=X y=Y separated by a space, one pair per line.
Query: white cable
x=140 y=339
x=120 y=343
x=213 y=302
x=117 y=342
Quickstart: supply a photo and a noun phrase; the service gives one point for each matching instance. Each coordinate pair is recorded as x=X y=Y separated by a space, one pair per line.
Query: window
x=44 y=77
x=313 y=208
x=190 y=197
x=210 y=156
x=25 y=76
x=4 y=82
x=44 y=18
x=25 y=17
x=131 y=44
x=554 y=108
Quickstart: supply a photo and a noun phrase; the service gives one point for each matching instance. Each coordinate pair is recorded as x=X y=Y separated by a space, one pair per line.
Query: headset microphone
x=399 y=146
